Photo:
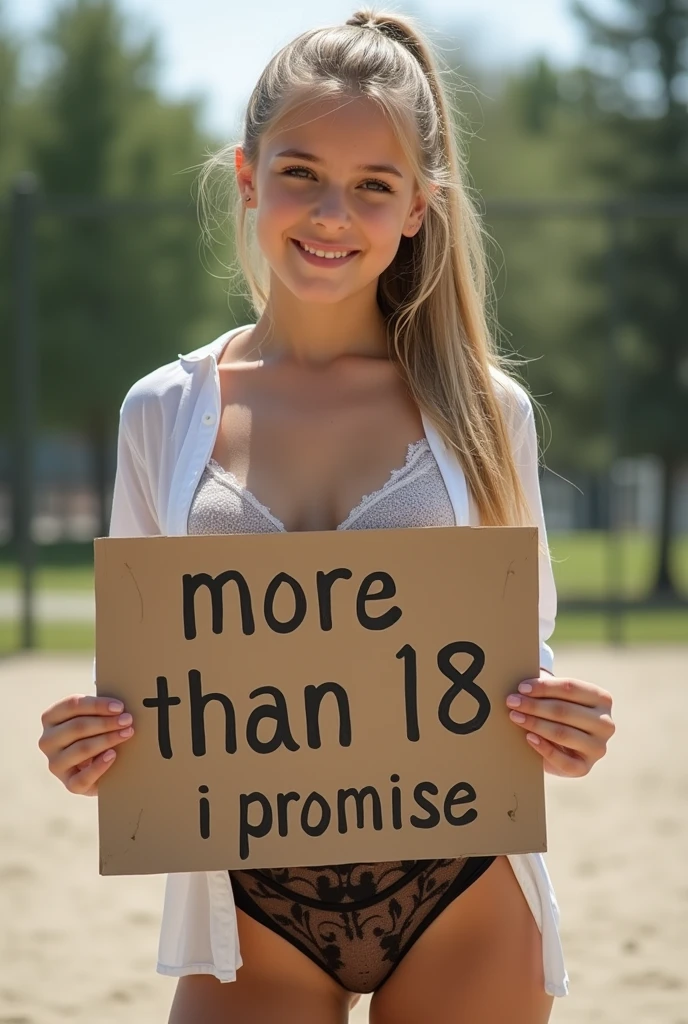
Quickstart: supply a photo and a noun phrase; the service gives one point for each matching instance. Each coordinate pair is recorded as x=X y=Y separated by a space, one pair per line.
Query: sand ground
x=75 y=946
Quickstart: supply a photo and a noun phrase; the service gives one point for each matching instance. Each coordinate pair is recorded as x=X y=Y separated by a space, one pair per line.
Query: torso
x=306 y=445
x=323 y=449
x=300 y=438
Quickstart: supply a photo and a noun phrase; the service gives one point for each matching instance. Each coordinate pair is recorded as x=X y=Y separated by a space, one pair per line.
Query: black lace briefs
x=356 y=921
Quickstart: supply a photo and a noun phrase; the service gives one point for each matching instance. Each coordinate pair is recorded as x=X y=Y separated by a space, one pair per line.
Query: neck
x=319 y=333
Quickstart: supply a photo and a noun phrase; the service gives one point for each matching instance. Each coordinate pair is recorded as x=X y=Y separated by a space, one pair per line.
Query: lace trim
x=228 y=478
x=408 y=871
x=413 y=453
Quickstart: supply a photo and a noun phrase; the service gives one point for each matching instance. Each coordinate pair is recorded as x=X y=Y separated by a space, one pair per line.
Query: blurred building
x=636 y=486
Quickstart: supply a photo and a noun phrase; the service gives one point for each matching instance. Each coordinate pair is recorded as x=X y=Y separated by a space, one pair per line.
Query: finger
x=556 y=732
x=66 y=760
x=80 y=704
x=558 y=761
x=61 y=736
x=577 y=691
x=576 y=715
x=83 y=781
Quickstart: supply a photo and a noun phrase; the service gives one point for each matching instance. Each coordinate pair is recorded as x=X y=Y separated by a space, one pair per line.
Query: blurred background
x=575 y=121
x=575 y=118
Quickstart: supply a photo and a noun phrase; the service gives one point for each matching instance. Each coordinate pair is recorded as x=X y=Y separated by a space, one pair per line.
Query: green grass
x=580 y=569
x=67 y=566
x=580 y=562
x=50 y=577
x=50 y=636
x=572 y=627
x=663 y=627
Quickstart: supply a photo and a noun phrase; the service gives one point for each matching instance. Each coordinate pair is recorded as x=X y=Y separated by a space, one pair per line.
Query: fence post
x=26 y=369
x=614 y=391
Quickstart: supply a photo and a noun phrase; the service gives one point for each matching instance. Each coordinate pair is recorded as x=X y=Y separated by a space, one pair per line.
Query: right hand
x=77 y=732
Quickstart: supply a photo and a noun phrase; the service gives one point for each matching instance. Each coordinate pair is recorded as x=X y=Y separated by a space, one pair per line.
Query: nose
x=331 y=211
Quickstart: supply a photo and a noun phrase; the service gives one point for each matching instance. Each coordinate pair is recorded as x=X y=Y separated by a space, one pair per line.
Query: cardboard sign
x=318 y=698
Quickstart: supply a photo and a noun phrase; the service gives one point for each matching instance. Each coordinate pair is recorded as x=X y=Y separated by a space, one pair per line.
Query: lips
x=325 y=248
x=327 y=263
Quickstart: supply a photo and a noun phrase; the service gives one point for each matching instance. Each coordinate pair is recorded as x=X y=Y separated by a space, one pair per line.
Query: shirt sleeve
x=526 y=459
x=133 y=509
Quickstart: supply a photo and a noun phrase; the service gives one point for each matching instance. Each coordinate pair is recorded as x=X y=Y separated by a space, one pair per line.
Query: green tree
x=637 y=88
x=530 y=128
x=9 y=64
x=9 y=157
x=119 y=295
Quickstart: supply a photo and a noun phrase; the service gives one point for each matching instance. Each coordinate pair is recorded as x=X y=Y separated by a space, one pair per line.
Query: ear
x=244 y=173
x=416 y=215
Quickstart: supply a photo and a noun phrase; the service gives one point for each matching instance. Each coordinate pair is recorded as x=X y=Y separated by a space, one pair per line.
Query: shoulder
x=516 y=405
x=148 y=399
x=513 y=397
x=151 y=405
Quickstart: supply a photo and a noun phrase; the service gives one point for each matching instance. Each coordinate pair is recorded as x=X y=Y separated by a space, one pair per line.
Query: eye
x=287 y=170
x=373 y=181
x=370 y=181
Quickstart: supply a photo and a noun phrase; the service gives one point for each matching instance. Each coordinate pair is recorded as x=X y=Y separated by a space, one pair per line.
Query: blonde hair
x=434 y=294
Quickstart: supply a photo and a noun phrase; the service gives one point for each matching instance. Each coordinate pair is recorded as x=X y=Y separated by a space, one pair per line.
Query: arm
x=81 y=731
x=568 y=721
x=133 y=508
x=526 y=460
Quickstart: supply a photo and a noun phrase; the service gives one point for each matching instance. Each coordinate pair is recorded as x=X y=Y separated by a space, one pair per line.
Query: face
x=329 y=198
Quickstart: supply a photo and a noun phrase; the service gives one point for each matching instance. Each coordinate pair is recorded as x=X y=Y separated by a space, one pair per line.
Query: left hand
x=570 y=718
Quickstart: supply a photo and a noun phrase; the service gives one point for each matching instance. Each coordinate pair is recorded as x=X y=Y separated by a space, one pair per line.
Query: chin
x=326 y=296
x=319 y=291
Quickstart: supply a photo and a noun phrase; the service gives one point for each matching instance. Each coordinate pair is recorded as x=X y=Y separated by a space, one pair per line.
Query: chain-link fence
x=572 y=297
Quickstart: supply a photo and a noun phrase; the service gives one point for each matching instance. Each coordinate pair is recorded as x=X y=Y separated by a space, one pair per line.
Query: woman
x=368 y=394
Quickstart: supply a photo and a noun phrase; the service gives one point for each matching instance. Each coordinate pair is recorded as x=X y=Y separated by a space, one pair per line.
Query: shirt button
x=208 y=418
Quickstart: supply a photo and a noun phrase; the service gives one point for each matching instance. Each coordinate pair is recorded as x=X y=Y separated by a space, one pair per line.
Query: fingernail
x=125 y=719
x=525 y=688
x=516 y=716
x=108 y=755
x=116 y=705
x=513 y=701
x=533 y=739
x=126 y=733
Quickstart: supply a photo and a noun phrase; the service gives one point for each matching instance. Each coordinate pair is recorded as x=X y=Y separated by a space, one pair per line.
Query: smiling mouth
x=325 y=255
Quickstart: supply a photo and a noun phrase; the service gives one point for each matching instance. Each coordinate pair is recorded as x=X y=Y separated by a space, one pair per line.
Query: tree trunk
x=100 y=452
x=664 y=585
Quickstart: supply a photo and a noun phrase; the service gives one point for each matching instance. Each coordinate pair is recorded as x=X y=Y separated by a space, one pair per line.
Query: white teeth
x=322 y=253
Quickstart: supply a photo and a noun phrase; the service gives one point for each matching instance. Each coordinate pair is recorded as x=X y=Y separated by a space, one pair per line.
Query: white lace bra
x=414 y=495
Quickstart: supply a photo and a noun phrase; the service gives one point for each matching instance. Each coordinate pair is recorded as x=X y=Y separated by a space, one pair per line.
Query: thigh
x=479 y=960
x=276 y=983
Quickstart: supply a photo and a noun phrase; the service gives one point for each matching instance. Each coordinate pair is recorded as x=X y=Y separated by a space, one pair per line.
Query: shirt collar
x=212 y=350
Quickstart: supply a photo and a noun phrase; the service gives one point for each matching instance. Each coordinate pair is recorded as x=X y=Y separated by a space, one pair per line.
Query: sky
x=217 y=48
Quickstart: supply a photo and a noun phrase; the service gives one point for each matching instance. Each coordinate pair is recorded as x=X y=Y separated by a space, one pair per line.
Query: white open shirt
x=168 y=426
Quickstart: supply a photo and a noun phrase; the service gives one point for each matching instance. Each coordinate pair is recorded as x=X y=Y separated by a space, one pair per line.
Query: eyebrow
x=371 y=168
